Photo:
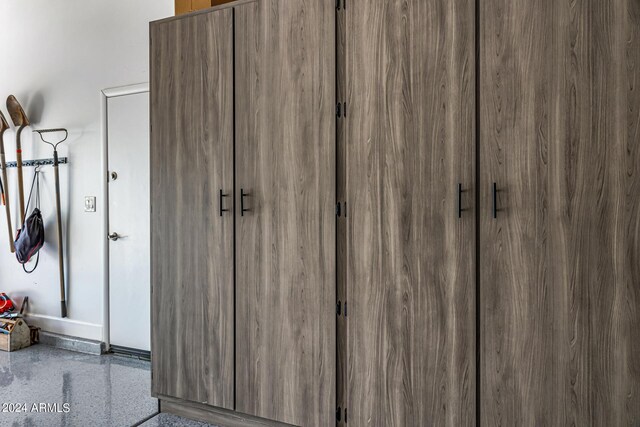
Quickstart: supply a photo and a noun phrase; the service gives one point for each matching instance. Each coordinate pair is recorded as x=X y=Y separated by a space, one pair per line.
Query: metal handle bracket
x=242 y=196
x=495 y=200
x=222 y=196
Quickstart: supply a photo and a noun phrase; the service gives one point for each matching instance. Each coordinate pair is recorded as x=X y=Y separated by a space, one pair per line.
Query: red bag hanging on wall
x=5 y=303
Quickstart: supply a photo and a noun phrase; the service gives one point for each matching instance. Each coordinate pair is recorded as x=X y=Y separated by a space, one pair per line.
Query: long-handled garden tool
x=20 y=121
x=5 y=186
x=63 y=299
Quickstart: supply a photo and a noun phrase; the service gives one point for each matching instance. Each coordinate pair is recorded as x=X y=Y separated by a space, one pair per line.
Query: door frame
x=105 y=95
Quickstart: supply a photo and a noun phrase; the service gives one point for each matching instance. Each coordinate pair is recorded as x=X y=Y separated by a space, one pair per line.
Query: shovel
x=5 y=194
x=20 y=121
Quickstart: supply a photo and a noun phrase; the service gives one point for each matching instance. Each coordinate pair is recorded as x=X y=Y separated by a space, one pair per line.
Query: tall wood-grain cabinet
x=243 y=220
x=407 y=242
x=559 y=156
x=490 y=251
x=397 y=213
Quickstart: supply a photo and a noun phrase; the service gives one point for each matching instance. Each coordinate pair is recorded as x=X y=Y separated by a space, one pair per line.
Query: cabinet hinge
x=341 y=110
x=345 y=415
x=338 y=414
x=341 y=309
x=338 y=210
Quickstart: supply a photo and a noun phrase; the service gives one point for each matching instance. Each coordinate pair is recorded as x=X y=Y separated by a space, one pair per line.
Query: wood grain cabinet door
x=410 y=276
x=285 y=247
x=192 y=240
x=560 y=283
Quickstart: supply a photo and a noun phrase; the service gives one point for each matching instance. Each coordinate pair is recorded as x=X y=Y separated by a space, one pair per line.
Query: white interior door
x=129 y=212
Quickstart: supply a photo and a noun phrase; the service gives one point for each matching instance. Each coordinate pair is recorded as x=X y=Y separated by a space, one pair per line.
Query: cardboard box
x=186 y=6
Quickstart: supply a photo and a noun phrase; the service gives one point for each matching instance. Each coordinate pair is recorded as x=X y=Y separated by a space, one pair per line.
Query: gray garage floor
x=108 y=390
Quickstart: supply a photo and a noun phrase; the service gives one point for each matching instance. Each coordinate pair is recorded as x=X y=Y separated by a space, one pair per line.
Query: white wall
x=56 y=57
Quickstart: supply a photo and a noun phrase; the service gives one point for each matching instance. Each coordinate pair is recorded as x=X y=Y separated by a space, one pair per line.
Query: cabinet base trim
x=213 y=415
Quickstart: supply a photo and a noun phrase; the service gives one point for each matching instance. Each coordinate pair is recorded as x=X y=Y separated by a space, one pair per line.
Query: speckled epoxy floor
x=169 y=420
x=110 y=391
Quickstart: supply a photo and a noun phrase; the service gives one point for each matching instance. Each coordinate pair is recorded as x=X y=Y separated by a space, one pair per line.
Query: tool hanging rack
x=43 y=162
x=38 y=162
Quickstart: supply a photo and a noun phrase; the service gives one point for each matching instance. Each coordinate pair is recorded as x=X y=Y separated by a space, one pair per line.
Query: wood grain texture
x=560 y=281
x=192 y=246
x=285 y=161
x=411 y=271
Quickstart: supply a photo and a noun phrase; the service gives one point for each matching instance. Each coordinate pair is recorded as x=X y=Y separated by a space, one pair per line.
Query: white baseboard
x=73 y=328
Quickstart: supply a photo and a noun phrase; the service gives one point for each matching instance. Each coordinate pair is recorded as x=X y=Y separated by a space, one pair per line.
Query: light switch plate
x=90 y=204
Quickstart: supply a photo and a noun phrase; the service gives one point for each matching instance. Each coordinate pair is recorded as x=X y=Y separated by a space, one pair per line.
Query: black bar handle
x=495 y=200
x=459 y=200
x=222 y=196
x=242 y=196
